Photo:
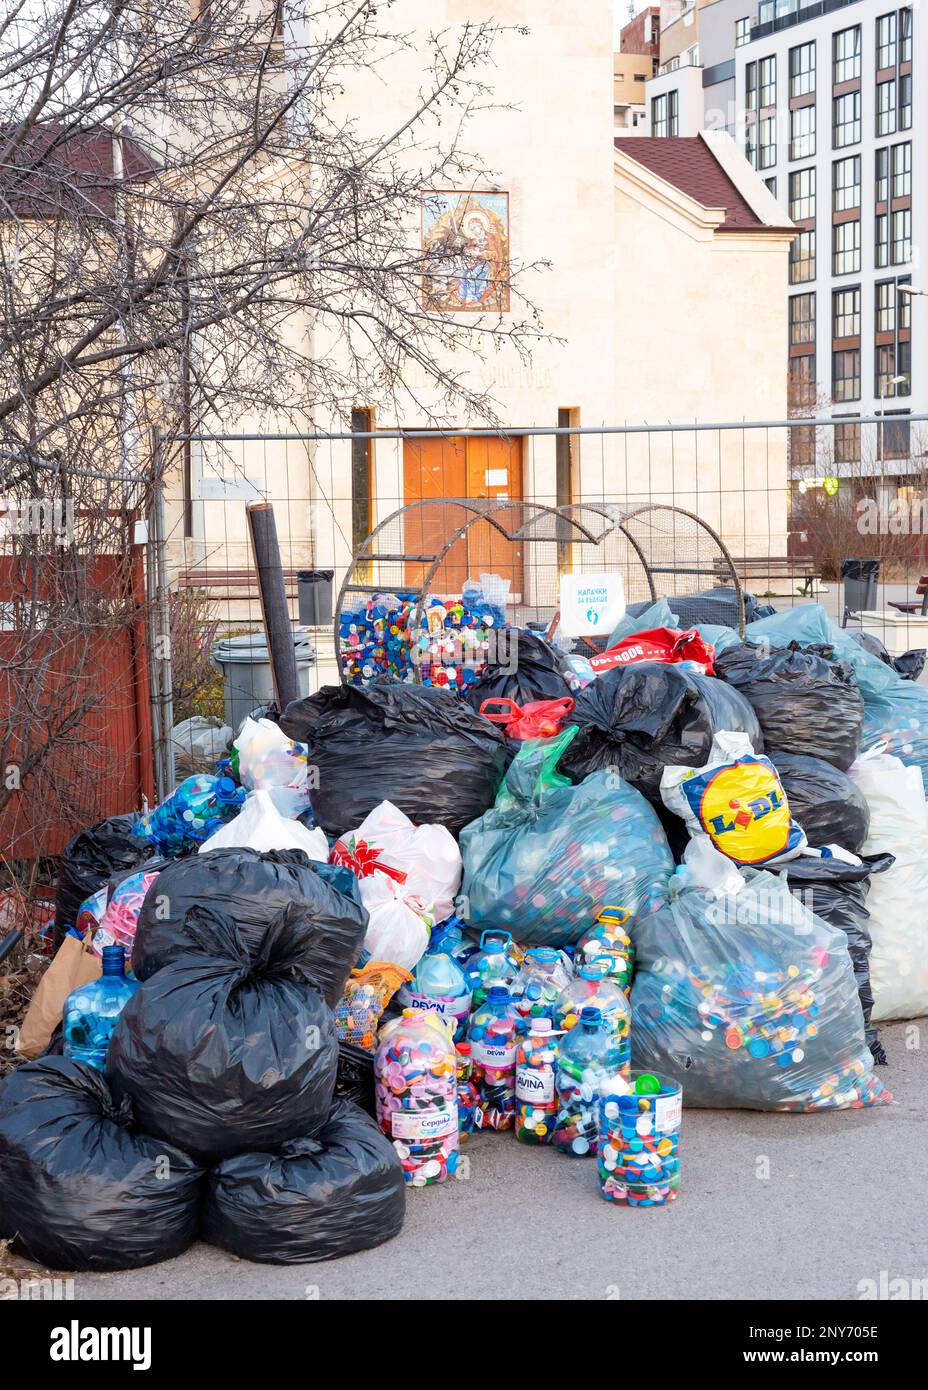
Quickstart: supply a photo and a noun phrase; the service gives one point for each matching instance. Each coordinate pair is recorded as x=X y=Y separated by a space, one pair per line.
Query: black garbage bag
x=425 y=750
x=718 y=605
x=228 y=1049
x=529 y=672
x=315 y=1199
x=829 y=806
x=87 y=862
x=640 y=718
x=909 y=665
x=805 y=703
x=837 y=892
x=80 y=1188
x=354 y=1080
x=252 y=888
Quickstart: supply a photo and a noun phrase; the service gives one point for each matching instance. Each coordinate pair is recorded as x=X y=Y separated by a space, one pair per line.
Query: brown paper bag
x=74 y=964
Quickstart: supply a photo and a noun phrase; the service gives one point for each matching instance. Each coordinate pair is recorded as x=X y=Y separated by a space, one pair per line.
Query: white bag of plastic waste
x=259 y=825
x=896 y=901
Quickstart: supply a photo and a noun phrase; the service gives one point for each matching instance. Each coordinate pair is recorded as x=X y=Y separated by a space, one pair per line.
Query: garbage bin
x=246 y=668
x=860 y=580
x=314 y=594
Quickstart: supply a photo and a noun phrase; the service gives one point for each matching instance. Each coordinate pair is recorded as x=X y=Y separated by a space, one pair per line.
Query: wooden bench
x=914 y=605
x=245 y=582
x=770 y=567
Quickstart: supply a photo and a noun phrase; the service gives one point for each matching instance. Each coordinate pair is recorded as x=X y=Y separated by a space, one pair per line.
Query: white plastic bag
x=259 y=825
x=423 y=861
x=398 y=931
x=896 y=901
x=269 y=761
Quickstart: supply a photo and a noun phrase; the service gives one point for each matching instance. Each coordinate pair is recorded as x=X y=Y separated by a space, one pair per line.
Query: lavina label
x=535 y=1085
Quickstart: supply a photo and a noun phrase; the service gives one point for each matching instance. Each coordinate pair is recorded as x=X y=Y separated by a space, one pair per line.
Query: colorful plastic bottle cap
x=647 y=1085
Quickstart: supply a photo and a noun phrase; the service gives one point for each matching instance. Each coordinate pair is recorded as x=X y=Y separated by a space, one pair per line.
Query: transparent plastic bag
x=549 y=855
x=260 y=825
x=267 y=760
x=750 y=1002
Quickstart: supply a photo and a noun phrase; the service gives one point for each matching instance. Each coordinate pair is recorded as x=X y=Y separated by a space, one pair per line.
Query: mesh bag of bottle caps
x=548 y=855
x=446 y=639
x=749 y=1002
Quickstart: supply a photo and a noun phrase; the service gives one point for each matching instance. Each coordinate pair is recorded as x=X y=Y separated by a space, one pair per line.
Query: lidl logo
x=743 y=809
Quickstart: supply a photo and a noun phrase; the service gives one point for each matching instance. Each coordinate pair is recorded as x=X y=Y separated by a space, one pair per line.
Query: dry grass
x=19 y=975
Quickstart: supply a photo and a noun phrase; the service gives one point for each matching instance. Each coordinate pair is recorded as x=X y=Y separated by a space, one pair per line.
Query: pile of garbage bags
x=735 y=832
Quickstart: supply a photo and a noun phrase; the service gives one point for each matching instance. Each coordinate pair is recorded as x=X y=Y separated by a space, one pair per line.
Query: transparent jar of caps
x=415 y=1074
x=591 y=1063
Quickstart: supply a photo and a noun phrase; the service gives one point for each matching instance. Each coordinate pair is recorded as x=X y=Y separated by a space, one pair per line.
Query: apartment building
x=821 y=97
x=635 y=62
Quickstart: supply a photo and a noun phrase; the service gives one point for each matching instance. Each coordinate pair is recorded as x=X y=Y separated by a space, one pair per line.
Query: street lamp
x=907 y=289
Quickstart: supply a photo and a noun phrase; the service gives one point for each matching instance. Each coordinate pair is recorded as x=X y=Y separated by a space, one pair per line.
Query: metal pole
x=162 y=680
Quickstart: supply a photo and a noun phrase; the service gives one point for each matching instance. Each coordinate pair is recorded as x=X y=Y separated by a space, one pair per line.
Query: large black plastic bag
x=530 y=671
x=228 y=1050
x=831 y=809
x=837 y=892
x=805 y=704
x=253 y=888
x=637 y=719
x=87 y=862
x=79 y=1187
x=909 y=665
x=425 y=750
x=315 y=1199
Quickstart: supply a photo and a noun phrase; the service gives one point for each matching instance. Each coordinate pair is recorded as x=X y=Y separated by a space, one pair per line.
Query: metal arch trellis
x=538 y=523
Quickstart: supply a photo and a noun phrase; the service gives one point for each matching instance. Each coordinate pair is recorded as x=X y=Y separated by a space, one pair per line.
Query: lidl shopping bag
x=737 y=800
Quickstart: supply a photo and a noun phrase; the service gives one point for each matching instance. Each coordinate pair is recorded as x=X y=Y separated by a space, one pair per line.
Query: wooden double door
x=434 y=469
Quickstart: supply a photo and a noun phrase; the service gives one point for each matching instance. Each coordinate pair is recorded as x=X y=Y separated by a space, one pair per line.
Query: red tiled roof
x=689 y=164
x=54 y=173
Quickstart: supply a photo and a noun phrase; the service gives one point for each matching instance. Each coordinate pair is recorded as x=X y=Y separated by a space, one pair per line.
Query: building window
x=750 y=87
x=881 y=240
x=901 y=243
x=768 y=142
x=802 y=195
x=886 y=107
x=802 y=258
x=902 y=169
x=845 y=248
x=905 y=102
x=750 y=143
x=801 y=319
x=904 y=304
x=845 y=313
x=771 y=186
x=802 y=70
x=742 y=31
x=846 y=52
x=847 y=444
x=896 y=442
x=664 y=114
x=802 y=132
x=905 y=36
x=845 y=375
x=886 y=41
x=846 y=120
x=886 y=306
x=768 y=82
x=881 y=169
x=893 y=359
x=845 y=176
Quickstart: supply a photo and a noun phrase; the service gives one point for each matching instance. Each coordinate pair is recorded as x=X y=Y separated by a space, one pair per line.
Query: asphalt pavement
x=771 y=1207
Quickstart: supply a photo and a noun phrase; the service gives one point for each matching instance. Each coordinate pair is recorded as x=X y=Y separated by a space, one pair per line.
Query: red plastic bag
x=664 y=644
x=537 y=719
